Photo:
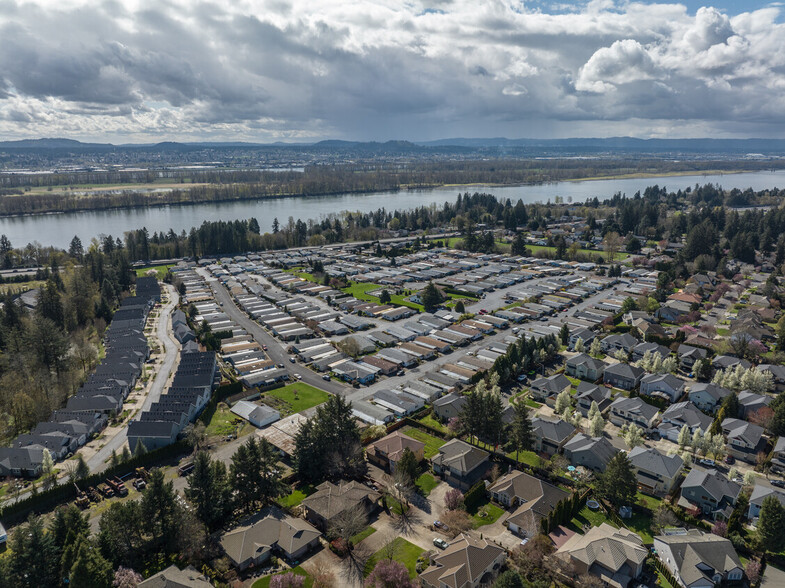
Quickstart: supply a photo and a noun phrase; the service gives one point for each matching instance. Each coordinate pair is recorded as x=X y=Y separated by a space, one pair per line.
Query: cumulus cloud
x=280 y=69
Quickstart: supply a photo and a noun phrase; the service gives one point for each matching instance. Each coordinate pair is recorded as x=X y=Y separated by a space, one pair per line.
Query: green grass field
x=265 y=582
x=485 y=513
x=528 y=457
x=429 y=421
x=432 y=443
x=300 y=396
x=592 y=517
x=364 y=534
x=404 y=552
x=296 y=496
x=426 y=483
x=159 y=269
x=222 y=422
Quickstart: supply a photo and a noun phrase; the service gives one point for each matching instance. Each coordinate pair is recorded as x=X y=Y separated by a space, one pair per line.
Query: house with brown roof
x=174 y=577
x=388 y=450
x=331 y=500
x=530 y=498
x=615 y=556
x=270 y=532
x=466 y=563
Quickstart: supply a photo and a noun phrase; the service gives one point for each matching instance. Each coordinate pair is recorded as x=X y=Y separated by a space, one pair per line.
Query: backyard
x=432 y=443
x=265 y=582
x=300 y=396
x=425 y=483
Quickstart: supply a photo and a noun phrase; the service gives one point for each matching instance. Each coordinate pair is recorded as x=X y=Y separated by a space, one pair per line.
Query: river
x=59 y=229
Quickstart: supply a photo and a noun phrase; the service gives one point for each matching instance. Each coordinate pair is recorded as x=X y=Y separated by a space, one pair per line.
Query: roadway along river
x=59 y=229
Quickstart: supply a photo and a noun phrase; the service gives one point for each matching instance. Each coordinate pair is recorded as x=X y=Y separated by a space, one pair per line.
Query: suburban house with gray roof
x=270 y=532
x=655 y=471
x=622 y=375
x=466 y=563
x=584 y=367
x=699 y=560
x=759 y=494
x=680 y=414
x=625 y=411
x=460 y=464
x=544 y=388
x=688 y=355
x=531 y=498
x=591 y=452
x=745 y=440
x=331 y=500
x=551 y=435
x=710 y=491
x=665 y=386
x=707 y=396
x=750 y=403
x=587 y=393
x=174 y=577
x=613 y=343
x=449 y=406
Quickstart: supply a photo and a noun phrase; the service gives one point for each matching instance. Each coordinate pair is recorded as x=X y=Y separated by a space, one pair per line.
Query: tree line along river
x=58 y=229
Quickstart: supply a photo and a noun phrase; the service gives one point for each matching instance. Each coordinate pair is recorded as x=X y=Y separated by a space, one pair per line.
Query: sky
x=127 y=71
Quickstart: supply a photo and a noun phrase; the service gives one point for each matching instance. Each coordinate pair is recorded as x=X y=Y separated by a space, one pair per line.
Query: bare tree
x=611 y=244
x=348 y=523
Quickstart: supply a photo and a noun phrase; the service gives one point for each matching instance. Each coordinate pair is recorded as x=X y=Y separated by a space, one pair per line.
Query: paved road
x=98 y=463
x=275 y=348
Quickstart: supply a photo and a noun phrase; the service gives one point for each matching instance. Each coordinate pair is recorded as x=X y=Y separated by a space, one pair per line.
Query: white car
x=440 y=543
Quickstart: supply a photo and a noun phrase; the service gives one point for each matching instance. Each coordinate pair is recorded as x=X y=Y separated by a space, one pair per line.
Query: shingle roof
x=712 y=482
x=688 y=414
x=463 y=563
x=651 y=460
x=332 y=499
x=635 y=405
x=696 y=548
x=460 y=455
x=612 y=548
x=557 y=430
x=172 y=577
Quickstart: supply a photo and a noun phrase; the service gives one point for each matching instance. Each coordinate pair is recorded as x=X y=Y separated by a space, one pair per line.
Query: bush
x=475 y=495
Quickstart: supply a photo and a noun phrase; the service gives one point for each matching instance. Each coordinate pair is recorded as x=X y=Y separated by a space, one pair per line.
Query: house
x=269 y=532
x=583 y=334
x=550 y=436
x=680 y=414
x=613 y=343
x=21 y=462
x=778 y=456
x=777 y=373
x=587 y=393
x=750 y=403
x=710 y=491
x=625 y=411
x=550 y=387
x=331 y=500
x=745 y=440
x=622 y=375
x=584 y=367
x=759 y=494
x=707 y=396
x=654 y=471
x=642 y=348
x=259 y=415
x=449 y=406
x=174 y=577
x=688 y=355
x=616 y=556
x=388 y=450
x=672 y=311
x=665 y=386
x=398 y=402
x=152 y=434
x=460 y=464
x=531 y=498
x=466 y=563
x=723 y=362
x=699 y=560
x=591 y=452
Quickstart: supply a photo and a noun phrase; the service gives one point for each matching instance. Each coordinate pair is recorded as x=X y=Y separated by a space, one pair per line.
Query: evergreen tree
x=521 y=430
x=90 y=568
x=33 y=558
x=208 y=489
x=430 y=297
x=617 y=484
x=408 y=466
x=564 y=334
x=160 y=508
x=771 y=525
x=460 y=307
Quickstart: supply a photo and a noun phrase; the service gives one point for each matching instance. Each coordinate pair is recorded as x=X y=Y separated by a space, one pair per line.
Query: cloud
x=277 y=69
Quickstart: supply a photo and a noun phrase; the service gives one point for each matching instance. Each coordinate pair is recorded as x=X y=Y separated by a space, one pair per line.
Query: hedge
x=474 y=496
x=65 y=492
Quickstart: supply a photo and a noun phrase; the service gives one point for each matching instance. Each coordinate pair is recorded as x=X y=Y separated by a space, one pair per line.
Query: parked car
x=264 y=347
x=729 y=459
x=709 y=463
x=326 y=378
x=298 y=376
x=280 y=365
x=778 y=483
x=292 y=359
x=441 y=525
x=440 y=543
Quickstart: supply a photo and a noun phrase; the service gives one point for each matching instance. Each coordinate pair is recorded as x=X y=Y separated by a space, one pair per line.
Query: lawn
x=404 y=552
x=432 y=443
x=429 y=421
x=296 y=496
x=491 y=512
x=222 y=422
x=426 y=483
x=586 y=516
x=621 y=256
x=300 y=396
x=159 y=269
x=265 y=582
x=641 y=524
x=527 y=457
x=661 y=581
x=364 y=534
x=650 y=502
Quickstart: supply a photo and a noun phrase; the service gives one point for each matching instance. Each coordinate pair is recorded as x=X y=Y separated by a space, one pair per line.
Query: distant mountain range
x=498 y=145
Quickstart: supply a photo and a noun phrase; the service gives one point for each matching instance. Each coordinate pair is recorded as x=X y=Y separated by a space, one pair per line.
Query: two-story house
x=460 y=464
x=613 y=343
x=665 y=386
x=745 y=440
x=543 y=389
x=654 y=471
x=591 y=452
x=551 y=435
x=584 y=367
x=688 y=355
x=707 y=396
x=587 y=393
x=680 y=414
x=625 y=411
x=530 y=498
x=709 y=491
x=699 y=560
x=622 y=375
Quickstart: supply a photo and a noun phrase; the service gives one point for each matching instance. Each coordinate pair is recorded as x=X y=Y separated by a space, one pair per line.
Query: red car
x=264 y=347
